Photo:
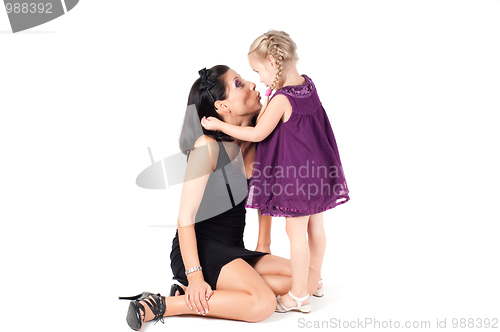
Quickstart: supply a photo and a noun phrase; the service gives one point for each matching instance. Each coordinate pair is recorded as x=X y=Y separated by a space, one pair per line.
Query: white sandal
x=301 y=308
x=319 y=292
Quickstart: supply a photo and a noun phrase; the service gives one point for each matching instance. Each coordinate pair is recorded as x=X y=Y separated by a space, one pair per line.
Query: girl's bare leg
x=317 y=242
x=296 y=228
x=264 y=240
x=241 y=294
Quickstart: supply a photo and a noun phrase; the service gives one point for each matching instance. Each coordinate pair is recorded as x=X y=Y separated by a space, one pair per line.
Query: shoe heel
x=306 y=308
x=129 y=297
x=176 y=288
x=136 y=297
x=319 y=292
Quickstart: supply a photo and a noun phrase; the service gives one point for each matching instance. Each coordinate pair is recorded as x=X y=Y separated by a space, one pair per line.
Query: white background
x=412 y=92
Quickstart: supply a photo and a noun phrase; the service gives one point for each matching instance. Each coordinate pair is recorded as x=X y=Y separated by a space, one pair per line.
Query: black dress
x=219 y=238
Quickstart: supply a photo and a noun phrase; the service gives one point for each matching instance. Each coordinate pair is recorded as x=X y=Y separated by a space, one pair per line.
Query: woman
x=223 y=278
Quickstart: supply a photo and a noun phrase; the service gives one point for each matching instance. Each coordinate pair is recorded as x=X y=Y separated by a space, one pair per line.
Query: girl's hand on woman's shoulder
x=198 y=292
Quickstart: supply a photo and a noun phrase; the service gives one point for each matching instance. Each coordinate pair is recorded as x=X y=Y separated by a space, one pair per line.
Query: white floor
x=411 y=90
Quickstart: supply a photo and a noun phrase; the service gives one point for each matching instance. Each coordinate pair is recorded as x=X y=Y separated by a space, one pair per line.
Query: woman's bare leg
x=241 y=294
x=317 y=242
x=277 y=272
x=264 y=240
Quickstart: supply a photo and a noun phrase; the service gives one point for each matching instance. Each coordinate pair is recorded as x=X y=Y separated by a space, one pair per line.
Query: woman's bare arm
x=198 y=171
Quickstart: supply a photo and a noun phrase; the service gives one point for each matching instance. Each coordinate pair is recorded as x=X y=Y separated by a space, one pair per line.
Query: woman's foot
x=149 y=315
x=143 y=308
x=142 y=313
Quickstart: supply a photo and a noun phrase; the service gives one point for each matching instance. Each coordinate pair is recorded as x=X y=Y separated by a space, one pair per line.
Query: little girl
x=297 y=172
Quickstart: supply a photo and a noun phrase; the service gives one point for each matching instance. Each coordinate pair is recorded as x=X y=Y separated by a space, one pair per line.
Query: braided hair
x=284 y=51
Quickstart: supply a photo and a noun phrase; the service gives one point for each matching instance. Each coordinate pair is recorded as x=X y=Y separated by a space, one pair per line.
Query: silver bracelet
x=194 y=269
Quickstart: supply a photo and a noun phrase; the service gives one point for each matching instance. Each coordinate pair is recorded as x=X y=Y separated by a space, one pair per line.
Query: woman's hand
x=198 y=292
x=211 y=123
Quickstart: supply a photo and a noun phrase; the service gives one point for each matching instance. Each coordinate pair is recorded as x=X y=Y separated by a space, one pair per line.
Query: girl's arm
x=266 y=125
x=198 y=171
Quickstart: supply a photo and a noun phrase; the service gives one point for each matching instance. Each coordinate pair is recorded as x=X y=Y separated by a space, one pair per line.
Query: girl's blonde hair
x=281 y=47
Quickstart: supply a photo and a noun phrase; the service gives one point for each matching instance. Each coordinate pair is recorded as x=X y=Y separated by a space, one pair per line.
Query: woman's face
x=242 y=98
x=265 y=69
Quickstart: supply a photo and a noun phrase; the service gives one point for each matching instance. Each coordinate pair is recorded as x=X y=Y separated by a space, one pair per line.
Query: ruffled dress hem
x=288 y=212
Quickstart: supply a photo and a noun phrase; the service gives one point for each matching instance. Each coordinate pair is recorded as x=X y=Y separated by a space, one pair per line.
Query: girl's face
x=242 y=98
x=265 y=68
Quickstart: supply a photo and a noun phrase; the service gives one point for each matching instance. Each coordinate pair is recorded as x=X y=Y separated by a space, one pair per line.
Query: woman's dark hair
x=205 y=107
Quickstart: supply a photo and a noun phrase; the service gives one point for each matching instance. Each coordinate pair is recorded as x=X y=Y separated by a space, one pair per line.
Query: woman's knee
x=260 y=301
x=263 y=304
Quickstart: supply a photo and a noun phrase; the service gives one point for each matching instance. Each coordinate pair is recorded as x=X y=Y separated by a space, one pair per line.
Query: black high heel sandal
x=155 y=302
x=174 y=288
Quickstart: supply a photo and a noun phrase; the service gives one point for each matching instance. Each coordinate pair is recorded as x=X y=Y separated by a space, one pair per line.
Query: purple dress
x=297 y=169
